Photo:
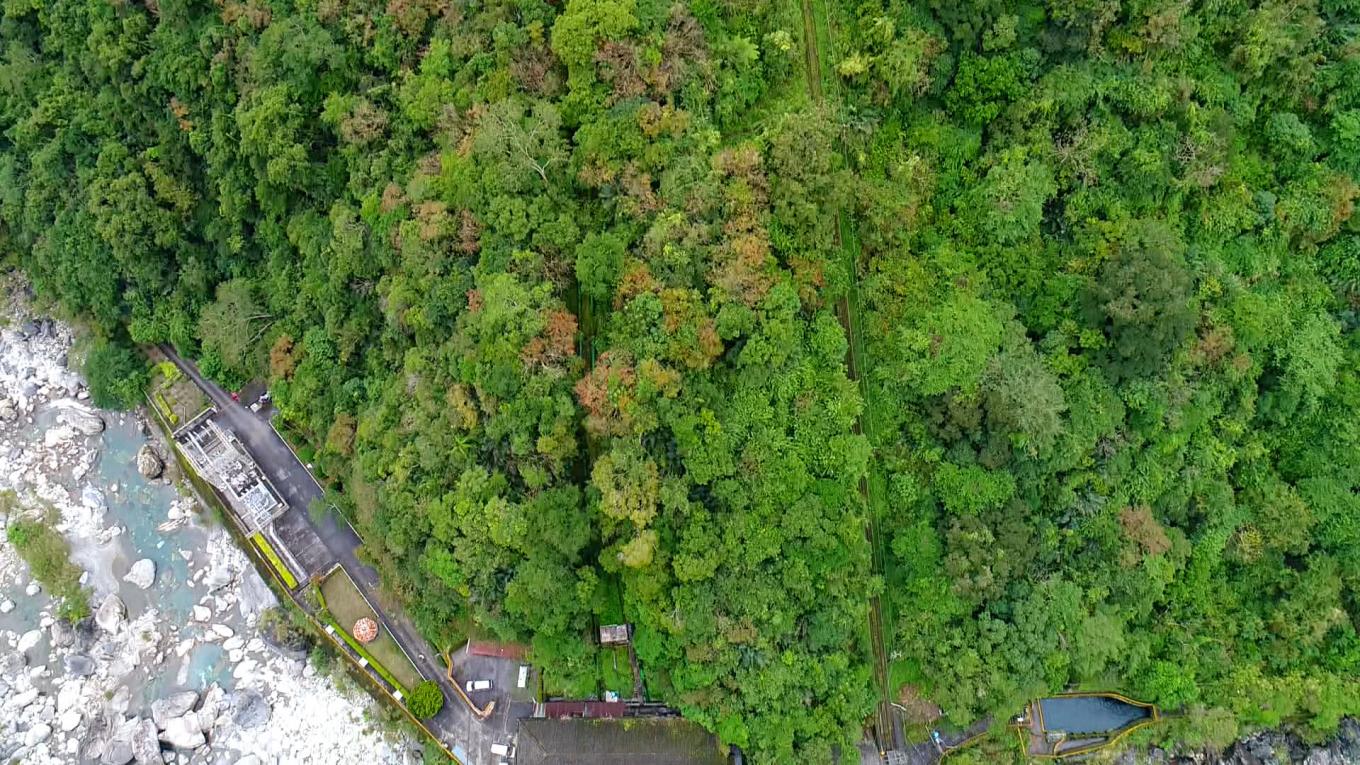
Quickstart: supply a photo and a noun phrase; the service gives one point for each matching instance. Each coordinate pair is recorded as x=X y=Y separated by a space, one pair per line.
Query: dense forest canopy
x=559 y=293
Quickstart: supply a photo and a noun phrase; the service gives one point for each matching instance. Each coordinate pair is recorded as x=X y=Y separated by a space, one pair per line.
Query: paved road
x=455 y=724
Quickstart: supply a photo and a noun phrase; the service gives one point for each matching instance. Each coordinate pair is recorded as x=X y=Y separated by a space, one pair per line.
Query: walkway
x=887 y=725
x=455 y=724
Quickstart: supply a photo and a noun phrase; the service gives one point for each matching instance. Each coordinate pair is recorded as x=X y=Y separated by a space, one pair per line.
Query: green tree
x=1142 y=298
x=599 y=263
x=233 y=326
x=426 y=700
x=117 y=375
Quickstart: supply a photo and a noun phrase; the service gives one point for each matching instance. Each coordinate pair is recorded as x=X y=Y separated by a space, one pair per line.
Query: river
x=178 y=671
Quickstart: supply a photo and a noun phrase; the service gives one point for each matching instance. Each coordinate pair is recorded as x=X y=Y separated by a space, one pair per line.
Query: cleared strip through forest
x=847 y=311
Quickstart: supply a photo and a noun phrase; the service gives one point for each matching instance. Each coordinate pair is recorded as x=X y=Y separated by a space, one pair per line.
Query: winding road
x=455 y=725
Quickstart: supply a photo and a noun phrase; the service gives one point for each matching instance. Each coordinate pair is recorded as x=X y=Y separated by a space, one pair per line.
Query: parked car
x=478 y=685
x=503 y=750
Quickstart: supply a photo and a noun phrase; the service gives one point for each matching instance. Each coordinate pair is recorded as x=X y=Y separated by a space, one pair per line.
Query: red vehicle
x=236 y=397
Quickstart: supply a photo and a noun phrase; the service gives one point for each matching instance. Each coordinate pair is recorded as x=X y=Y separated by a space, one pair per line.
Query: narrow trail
x=887 y=732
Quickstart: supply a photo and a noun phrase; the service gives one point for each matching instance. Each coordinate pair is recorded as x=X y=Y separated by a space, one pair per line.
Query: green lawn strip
x=826 y=51
x=273 y=557
x=556 y=685
x=615 y=672
x=878 y=508
x=611 y=601
x=166 y=410
x=346 y=606
x=372 y=660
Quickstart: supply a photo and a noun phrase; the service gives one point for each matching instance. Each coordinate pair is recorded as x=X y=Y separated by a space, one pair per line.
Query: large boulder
x=146 y=745
x=219 y=576
x=68 y=695
x=149 y=463
x=117 y=751
x=172 y=706
x=28 y=640
x=78 y=665
x=61 y=634
x=37 y=734
x=83 y=420
x=23 y=699
x=111 y=613
x=12 y=664
x=94 y=499
x=250 y=709
x=7 y=411
x=142 y=574
x=184 y=732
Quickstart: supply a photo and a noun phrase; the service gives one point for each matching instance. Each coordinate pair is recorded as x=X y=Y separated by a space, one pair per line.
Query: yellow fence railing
x=275 y=562
x=1036 y=709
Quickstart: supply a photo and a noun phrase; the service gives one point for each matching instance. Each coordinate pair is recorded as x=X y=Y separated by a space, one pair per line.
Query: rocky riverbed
x=173 y=666
x=1271 y=747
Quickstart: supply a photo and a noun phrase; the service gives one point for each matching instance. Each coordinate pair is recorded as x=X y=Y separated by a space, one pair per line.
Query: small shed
x=615 y=634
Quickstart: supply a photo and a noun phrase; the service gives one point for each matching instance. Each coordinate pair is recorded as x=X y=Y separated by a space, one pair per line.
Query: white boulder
x=28 y=640
x=111 y=613
x=146 y=747
x=142 y=574
x=21 y=700
x=183 y=732
x=37 y=734
x=220 y=576
x=172 y=706
x=149 y=463
x=83 y=420
x=117 y=751
x=93 y=499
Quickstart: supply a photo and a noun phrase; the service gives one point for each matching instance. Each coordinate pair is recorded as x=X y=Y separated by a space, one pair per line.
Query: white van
x=478 y=685
x=503 y=750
